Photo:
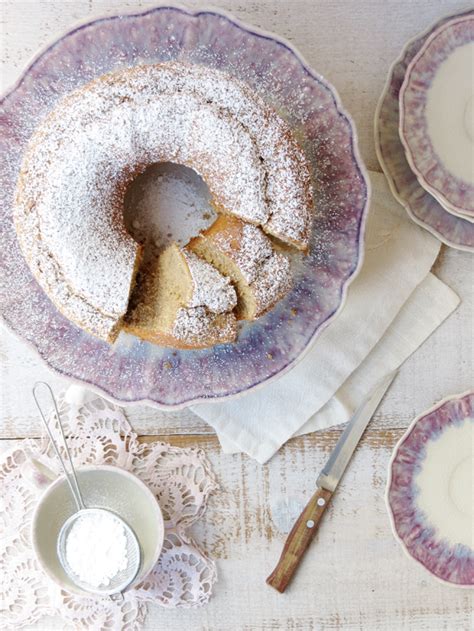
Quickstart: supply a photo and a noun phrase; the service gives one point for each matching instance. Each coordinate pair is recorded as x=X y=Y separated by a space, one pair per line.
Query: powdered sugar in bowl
x=102 y=486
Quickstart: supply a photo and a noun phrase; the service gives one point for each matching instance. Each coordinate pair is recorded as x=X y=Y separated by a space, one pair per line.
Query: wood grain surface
x=355 y=575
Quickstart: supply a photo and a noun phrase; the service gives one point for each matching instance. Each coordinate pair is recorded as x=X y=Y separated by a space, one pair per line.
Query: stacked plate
x=424 y=130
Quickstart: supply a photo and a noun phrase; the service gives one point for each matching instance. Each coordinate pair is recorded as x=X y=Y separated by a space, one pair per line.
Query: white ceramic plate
x=437 y=115
x=430 y=490
x=421 y=206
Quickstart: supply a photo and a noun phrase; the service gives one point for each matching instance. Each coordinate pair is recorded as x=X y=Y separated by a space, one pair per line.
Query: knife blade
x=307 y=523
x=340 y=456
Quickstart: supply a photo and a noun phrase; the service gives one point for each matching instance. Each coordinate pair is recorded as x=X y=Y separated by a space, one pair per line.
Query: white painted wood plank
x=361 y=579
x=355 y=575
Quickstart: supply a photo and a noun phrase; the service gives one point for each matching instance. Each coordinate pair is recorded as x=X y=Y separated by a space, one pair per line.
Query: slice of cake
x=242 y=252
x=183 y=302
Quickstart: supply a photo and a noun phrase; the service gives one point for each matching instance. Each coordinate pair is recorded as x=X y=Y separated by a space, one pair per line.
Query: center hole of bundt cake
x=167 y=203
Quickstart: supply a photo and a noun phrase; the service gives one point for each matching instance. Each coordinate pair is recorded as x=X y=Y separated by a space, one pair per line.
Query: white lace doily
x=180 y=478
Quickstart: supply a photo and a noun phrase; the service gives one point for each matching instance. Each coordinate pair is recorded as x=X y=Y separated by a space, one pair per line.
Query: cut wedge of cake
x=243 y=253
x=183 y=302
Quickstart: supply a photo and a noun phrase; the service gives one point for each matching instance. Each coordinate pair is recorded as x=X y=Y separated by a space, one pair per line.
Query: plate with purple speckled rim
x=437 y=115
x=429 y=490
x=422 y=207
x=134 y=371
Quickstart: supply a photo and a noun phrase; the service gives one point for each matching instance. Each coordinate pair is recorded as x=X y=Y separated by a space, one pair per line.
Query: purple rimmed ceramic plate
x=422 y=207
x=430 y=490
x=136 y=371
x=437 y=115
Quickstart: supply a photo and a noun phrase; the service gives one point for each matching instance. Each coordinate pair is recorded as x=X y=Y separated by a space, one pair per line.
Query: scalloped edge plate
x=393 y=520
x=418 y=191
x=358 y=164
x=410 y=120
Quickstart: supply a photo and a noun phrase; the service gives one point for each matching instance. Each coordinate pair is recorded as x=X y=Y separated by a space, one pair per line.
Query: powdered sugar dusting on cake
x=273 y=282
x=69 y=200
x=211 y=289
x=266 y=271
x=252 y=248
x=197 y=325
x=288 y=192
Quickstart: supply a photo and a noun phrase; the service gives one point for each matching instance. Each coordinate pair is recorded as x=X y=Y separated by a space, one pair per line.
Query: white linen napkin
x=391 y=308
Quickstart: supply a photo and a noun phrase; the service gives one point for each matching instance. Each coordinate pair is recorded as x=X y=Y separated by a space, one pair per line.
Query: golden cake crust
x=69 y=199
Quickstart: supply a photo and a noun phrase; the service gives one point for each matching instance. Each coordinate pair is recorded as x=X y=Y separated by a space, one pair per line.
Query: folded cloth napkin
x=391 y=308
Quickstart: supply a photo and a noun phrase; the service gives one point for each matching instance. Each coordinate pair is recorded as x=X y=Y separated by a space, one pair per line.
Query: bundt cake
x=179 y=300
x=245 y=254
x=81 y=159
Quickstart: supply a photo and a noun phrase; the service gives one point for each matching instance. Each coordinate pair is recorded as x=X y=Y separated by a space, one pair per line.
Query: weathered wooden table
x=355 y=576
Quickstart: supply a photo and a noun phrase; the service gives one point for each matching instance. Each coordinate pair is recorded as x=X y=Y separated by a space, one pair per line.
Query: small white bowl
x=102 y=487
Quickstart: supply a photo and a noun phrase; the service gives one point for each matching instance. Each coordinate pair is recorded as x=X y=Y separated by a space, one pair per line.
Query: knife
x=308 y=522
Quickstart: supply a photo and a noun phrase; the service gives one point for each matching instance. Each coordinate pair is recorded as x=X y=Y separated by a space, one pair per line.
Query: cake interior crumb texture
x=181 y=301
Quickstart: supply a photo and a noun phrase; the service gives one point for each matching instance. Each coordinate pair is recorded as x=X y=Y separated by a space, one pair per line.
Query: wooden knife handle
x=299 y=539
